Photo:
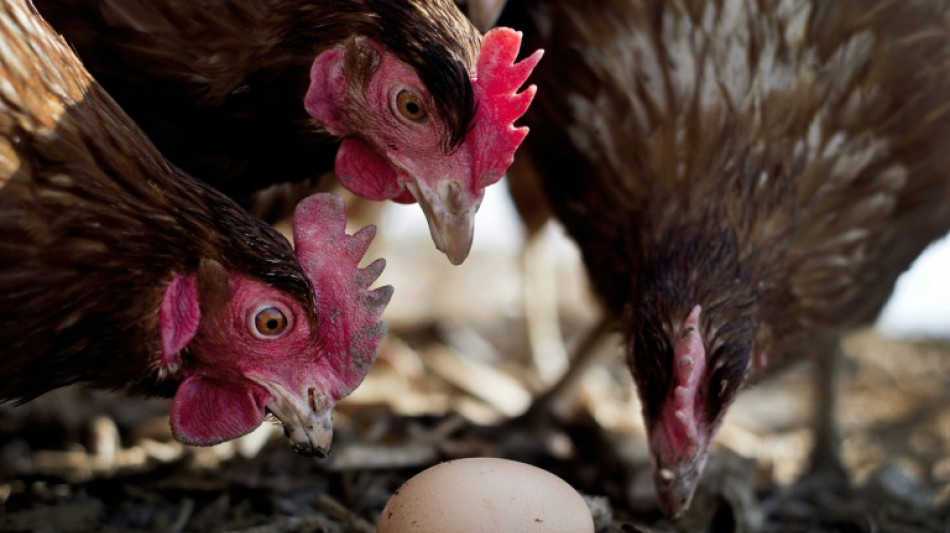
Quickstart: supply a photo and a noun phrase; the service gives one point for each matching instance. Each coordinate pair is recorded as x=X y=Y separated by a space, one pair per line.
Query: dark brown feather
x=95 y=222
x=219 y=85
x=778 y=163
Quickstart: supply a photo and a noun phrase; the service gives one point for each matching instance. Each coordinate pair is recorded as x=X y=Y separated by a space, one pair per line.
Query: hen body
x=120 y=270
x=220 y=88
x=745 y=180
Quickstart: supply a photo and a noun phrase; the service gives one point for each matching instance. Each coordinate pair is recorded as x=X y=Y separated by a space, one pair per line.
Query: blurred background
x=919 y=306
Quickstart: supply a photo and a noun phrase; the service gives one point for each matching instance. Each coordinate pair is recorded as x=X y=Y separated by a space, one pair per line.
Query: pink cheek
x=419 y=145
x=278 y=353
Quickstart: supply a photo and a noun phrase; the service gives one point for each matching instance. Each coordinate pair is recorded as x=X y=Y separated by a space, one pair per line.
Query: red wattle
x=206 y=412
x=364 y=173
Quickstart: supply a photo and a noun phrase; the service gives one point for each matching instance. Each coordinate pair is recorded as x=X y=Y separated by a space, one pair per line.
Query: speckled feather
x=94 y=223
x=219 y=85
x=778 y=162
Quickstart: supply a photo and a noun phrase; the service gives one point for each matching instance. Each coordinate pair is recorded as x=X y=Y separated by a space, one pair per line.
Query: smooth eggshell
x=485 y=495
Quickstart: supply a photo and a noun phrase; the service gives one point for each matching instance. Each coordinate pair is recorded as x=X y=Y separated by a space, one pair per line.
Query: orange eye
x=270 y=322
x=410 y=106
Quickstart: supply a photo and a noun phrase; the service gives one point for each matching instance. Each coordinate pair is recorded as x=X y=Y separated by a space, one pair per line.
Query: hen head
x=688 y=370
x=241 y=348
x=396 y=143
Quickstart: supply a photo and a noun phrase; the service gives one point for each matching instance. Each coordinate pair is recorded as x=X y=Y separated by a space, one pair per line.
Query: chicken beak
x=675 y=488
x=310 y=430
x=450 y=212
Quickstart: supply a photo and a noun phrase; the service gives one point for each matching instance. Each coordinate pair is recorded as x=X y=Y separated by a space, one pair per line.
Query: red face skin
x=685 y=422
x=394 y=141
x=261 y=351
x=679 y=440
x=244 y=357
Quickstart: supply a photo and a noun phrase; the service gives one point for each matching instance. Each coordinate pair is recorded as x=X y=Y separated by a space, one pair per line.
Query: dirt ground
x=452 y=378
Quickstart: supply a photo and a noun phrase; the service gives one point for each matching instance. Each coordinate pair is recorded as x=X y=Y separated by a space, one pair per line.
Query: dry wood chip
x=480 y=380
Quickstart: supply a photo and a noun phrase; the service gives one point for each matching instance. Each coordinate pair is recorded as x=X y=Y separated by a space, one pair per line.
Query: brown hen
x=246 y=95
x=746 y=181
x=119 y=270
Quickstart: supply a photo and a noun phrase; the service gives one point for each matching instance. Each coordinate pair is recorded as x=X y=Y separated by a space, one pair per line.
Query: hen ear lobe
x=185 y=298
x=335 y=73
x=179 y=317
x=325 y=96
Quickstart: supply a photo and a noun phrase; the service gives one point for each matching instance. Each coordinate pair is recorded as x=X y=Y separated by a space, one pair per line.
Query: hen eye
x=270 y=321
x=410 y=106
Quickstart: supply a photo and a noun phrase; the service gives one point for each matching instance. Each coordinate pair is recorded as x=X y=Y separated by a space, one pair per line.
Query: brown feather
x=219 y=85
x=94 y=224
x=778 y=163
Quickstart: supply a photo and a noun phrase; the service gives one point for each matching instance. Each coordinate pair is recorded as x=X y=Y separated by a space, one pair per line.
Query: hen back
x=746 y=180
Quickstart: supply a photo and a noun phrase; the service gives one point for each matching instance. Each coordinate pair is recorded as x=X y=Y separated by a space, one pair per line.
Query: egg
x=485 y=495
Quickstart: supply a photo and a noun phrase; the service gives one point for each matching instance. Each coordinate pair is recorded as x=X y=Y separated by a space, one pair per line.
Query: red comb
x=497 y=79
x=347 y=311
x=681 y=419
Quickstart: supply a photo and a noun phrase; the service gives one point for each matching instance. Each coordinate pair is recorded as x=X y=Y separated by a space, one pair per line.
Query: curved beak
x=675 y=487
x=450 y=211
x=310 y=430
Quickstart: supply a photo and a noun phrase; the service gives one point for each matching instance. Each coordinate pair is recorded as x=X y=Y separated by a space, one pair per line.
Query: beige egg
x=485 y=495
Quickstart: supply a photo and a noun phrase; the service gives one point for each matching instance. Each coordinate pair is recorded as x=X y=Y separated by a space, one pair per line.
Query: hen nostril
x=453 y=198
x=312 y=397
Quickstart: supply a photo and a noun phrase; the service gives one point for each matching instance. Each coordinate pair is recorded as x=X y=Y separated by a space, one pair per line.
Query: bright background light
x=919 y=307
